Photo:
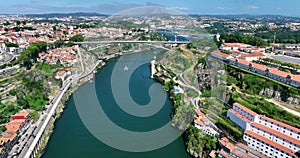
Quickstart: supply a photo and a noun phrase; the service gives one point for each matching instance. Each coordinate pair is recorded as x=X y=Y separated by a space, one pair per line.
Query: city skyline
x=212 y=7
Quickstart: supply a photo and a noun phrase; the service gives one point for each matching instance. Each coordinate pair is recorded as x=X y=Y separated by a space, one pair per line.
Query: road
x=7 y=58
x=285 y=58
x=35 y=132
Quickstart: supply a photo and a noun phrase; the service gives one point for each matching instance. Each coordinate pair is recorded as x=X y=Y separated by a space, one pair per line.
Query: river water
x=71 y=139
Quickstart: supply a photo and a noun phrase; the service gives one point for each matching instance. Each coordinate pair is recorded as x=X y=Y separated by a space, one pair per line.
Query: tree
x=59 y=43
x=77 y=38
x=31 y=53
x=9 y=44
x=2 y=128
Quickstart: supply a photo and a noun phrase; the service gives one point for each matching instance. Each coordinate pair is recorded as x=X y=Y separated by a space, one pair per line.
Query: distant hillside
x=60 y=15
x=230 y=16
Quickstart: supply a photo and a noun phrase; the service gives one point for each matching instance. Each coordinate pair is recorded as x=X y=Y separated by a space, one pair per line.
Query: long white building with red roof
x=281 y=76
x=272 y=138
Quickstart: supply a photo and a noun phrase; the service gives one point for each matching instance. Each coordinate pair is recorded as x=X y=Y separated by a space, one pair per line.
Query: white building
x=268 y=136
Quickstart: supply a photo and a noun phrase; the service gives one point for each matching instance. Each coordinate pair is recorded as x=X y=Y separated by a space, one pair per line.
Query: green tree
x=77 y=38
x=59 y=43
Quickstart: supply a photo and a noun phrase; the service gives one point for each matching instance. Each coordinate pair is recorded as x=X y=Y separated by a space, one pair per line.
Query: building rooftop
x=259 y=66
x=219 y=53
x=278 y=72
x=271 y=143
x=226 y=143
x=240 y=116
x=281 y=123
x=248 y=149
x=276 y=133
x=245 y=109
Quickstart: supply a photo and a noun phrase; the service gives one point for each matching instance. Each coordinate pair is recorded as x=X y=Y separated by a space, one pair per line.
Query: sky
x=212 y=7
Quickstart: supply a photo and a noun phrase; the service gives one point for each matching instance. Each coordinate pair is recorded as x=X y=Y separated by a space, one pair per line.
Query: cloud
x=107 y=8
x=252 y=7
x=181 y=8
x=222 y=8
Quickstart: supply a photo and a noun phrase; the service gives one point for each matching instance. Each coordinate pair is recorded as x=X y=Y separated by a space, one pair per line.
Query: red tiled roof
x=296 y=78
x=23 y=114
x=233 y=59
x=224 y=154
x=240 y=45
x=219 y=53
x=198 y=121
x=199 y=113
x=244 y=62
x=267 y=141
x=10 y=136
x=236 y=52
x=60 y=73
x=258 y=54
x=239 y=116
x=239 y=153
x=276 y=133
x=247 y=148
x=245 y=109
x=281 y=124
x=259 y=66
x=225 y=142
x=278 y=72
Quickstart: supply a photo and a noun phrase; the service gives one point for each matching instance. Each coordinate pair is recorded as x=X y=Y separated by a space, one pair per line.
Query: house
x=61 y=75
x=21 y=115
x=253 y=56
x=202 y=123
x=226 y=145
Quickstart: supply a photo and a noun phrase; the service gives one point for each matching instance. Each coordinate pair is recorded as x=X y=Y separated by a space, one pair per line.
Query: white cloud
x=252 y=7
x=222 y=8
x=182 y=8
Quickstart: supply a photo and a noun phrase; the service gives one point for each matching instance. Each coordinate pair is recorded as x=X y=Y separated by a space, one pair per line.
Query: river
x=72 y=139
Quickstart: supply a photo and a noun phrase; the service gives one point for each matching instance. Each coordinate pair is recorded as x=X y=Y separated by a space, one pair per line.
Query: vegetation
x=153 y=36
x=9 y=44
x=252 y=40
x=28 y=56
x=253 y=83
x=184 y=115
x=77 y=38
x=283 y=35
x=201 y=144
x=2 y=128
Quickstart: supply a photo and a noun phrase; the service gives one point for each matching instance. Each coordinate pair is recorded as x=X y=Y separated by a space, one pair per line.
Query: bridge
x=138 y=42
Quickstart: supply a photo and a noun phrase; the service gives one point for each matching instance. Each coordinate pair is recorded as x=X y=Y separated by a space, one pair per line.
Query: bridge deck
x=121 y=42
